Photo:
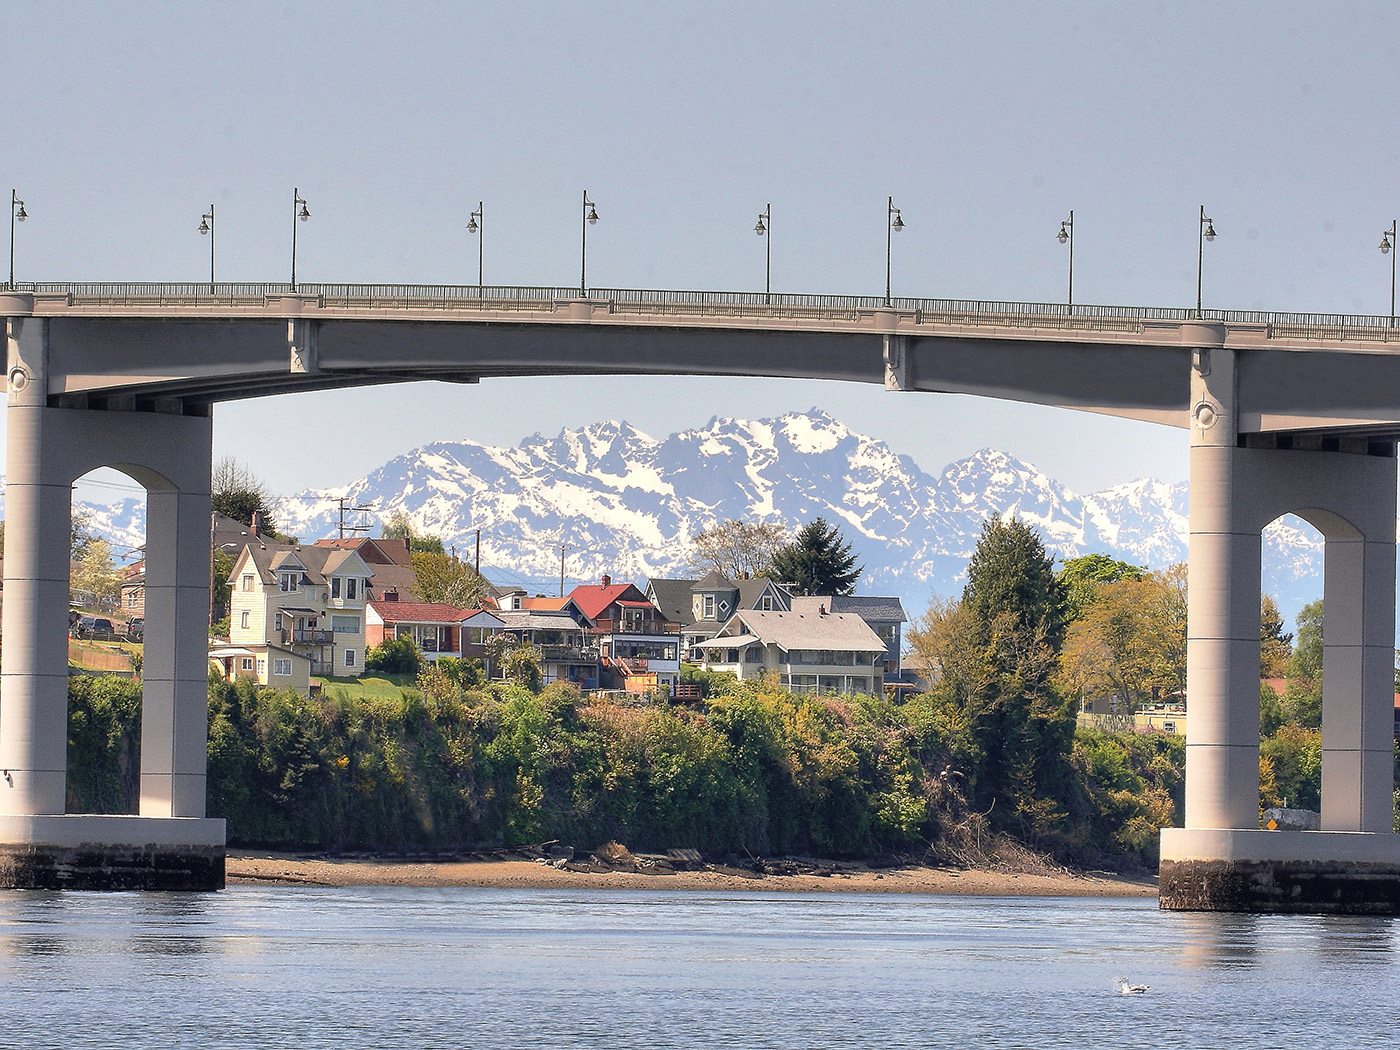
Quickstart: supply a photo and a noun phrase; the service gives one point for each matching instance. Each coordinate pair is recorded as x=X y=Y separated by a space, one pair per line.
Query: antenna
x=342 y=502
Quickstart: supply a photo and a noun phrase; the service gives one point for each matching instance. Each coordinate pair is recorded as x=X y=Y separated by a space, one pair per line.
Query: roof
x=536 y=620
x=867 y=607
x=728 y=642
x=542 y=603
x=672 y=597
x=792 y=631
x=714 y=580
x=420 y=612
x=593 y=599
x=629 y=604
x=394 y=577
x=750 y=591
x=379 y=551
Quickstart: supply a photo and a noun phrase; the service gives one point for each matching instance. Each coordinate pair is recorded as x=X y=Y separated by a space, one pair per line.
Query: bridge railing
x=1003 y=313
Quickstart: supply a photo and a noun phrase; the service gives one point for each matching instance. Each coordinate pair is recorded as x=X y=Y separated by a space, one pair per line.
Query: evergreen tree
x=238 y=493
x=1011 y=573
x=818 y=561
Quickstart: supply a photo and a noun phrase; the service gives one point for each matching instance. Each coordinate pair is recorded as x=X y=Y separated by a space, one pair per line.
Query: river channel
x=305 y=967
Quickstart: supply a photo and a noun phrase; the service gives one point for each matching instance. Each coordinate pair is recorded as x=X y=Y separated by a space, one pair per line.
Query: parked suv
x=136 y=630
x=98 y=628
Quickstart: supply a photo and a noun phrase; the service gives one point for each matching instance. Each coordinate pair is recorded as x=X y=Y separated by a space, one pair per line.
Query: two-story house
x=699 y=608
x=638 y=653
x=310 y=600
x=567 y=652
x=817 y=652
x=884 y=616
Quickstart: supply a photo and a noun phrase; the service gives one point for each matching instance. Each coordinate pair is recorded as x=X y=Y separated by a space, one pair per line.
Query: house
x=637 y=652
x=817 y=652
x=567 y=652
x=435 y=628
x=133 y=589
x=310 y=600
x=477 y=628
x=270 y=665
x=699 y=608
x=884 y=616
x=390 y=565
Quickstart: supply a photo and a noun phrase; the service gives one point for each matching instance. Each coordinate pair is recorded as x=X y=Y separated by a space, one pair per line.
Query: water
x=307 y=967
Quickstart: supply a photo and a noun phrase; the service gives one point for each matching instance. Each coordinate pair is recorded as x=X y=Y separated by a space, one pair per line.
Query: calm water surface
x=305 y=967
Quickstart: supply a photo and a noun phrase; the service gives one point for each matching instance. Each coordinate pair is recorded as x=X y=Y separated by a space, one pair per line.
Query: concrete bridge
x=1286 y=413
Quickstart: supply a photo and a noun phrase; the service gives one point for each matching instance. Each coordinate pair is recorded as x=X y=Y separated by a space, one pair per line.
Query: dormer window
x=289 y=581
x=766 y=603
x=709 y=607
x=351 y=588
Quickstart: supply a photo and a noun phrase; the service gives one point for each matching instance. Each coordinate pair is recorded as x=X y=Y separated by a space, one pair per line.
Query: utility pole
x=562 y=549
x=478 y=552
x=341 y=501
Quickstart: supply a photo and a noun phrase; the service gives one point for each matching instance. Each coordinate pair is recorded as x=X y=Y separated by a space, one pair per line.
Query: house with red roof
x=637 y=651
x=436 y=628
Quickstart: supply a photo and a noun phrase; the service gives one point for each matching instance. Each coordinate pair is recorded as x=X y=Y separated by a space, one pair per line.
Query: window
x=282 y=667
x=349 y=657
x=289 y=581
x=345 y=624
x=248 y=581
x=709 y=612
x=243 y=619
x=246 y=663
x=351 y=588
x=276 y=622
x=766 y=604
x=262 y=665
x=335 y=586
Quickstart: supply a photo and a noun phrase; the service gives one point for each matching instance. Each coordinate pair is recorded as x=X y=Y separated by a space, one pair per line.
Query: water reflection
x=1356 y=938
x=1219 y=940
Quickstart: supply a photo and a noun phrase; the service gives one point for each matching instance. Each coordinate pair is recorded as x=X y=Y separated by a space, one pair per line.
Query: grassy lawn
x=110 y=657
x=372 y=685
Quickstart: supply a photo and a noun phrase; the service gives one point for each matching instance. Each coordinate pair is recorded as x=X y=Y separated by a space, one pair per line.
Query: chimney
x=391 y=596
x=821 y=609
x=743 y=575
x=255 y=525
x=607 y=580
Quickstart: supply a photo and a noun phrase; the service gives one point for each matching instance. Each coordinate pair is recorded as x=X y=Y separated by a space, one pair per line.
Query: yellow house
x=307 y=600
x=267 y=665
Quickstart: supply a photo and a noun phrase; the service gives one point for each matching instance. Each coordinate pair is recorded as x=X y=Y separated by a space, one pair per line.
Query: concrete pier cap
x=16 y=304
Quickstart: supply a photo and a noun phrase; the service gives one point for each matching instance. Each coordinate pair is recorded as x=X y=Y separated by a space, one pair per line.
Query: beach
x=254 y=866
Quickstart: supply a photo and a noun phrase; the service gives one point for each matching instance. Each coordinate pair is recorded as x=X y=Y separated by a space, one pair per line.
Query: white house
x=817 y=652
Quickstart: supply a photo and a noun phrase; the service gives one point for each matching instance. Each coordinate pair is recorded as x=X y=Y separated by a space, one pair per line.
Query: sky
x=986 y=121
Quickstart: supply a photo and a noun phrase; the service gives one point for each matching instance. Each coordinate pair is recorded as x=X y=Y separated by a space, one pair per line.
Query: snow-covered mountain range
x=625 y=503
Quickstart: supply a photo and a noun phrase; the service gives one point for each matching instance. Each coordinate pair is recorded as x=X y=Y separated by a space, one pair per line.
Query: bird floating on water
x=1124 y=988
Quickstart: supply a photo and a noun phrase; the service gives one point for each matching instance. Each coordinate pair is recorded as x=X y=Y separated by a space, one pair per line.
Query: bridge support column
x=1222 y=860
x=170 y=845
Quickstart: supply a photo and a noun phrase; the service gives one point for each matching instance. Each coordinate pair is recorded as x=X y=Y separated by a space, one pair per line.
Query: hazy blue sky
x=987 y=122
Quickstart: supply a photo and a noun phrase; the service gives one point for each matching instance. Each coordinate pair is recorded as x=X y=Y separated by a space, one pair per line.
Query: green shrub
x=394 y=656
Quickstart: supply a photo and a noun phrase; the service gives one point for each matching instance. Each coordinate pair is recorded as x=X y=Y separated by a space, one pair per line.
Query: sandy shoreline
x=253 y=866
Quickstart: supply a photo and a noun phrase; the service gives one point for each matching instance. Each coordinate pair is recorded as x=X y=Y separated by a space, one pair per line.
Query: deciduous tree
x=448 y=580
x=238 y=493
x=738 y=548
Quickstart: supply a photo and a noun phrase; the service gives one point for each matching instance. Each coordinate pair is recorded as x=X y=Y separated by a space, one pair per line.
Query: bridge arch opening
x=106 y=619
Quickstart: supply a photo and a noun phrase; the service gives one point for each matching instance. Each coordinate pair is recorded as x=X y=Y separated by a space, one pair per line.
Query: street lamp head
x=592 y=215
x=760 y=229
x=1210 y=229
x=204 y=226
x=471 y=225
x=303 y=215
x=898 y=223
x=21 y=215
x=1063 y=235
x=1385 y=242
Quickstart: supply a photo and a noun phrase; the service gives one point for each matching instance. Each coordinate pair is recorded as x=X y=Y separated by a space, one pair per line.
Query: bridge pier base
x=170 y=844
x=1222 y=860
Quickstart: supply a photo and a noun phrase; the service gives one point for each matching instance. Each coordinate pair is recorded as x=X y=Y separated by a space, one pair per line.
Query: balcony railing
x=308 y=636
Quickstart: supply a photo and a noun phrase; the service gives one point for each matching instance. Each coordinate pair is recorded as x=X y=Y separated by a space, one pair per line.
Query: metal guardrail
x=637 y=301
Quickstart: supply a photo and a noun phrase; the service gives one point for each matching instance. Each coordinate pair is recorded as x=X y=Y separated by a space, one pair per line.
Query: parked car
x=98 y=628
x=136 y=629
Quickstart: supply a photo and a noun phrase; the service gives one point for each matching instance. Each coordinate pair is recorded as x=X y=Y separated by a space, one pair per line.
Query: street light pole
x=590 y=218
x=1207 y=233
x=894 y=223
x=1066 y=236
x=303 y=215
x=1387 y=243
x=17 y=213
x=765 y=226
x=206 y=226
x=476 y=223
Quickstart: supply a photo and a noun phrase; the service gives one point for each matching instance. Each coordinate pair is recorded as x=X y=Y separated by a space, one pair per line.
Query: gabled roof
x=867 y=607
x=593 y=599
x=315 y=563
x=714 y=580
x=420 y=612
x=794 y=631
x=672 y=597
x=378 y=551
x=542 y=603
x=750 y=591
x=525 y=619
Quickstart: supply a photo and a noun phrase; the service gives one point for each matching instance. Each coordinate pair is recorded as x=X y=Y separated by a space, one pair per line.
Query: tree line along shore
x=988 y=763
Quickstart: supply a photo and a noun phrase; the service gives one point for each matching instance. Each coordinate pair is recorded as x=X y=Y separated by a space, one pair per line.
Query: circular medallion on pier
x=19 y=378
x=1205 y=414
